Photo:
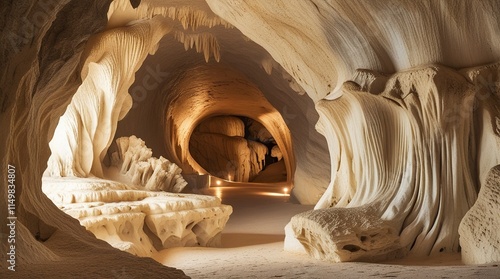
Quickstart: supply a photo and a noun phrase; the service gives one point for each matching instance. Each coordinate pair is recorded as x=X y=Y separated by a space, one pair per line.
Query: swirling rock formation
x=411 y=142
x=401 y=203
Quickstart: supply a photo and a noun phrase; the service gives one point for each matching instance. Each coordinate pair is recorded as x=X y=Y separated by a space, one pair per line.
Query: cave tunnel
x=359 y=130
x=198 y=74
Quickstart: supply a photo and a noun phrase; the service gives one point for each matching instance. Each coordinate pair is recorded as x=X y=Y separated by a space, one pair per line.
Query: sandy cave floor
x=252 y=247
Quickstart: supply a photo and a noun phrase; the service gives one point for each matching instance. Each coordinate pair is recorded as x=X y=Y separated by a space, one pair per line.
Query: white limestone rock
x=138 y=221
x=395 y=157
x=135 y=161
x=342 y=234
x=480 y=227
x=87 y=127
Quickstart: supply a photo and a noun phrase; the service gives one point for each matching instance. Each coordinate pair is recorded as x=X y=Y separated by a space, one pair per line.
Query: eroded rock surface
x=480 y=227
x=405 y=162
x=136 y=164
x=138 y=221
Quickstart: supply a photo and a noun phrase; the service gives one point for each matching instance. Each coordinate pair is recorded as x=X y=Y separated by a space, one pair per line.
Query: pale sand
x=253 y=248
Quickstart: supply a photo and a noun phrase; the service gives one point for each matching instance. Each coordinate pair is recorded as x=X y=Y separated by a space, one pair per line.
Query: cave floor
x=252 y=247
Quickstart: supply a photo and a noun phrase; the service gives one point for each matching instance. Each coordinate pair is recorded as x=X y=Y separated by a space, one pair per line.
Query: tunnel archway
x=205 y=91
x=127 y=92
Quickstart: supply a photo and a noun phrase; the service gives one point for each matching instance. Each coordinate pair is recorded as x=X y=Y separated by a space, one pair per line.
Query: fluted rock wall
x=41 y=48
x=86 y=129
x=286 y=49
x=424 y=116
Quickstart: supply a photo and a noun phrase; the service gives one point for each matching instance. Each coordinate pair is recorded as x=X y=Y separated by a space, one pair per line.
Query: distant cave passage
x=237 y=148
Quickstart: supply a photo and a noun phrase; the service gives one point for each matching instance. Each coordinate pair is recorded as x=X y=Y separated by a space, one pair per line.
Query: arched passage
x=209 y=90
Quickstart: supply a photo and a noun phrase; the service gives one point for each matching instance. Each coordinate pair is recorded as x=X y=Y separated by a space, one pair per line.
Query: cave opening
x=409 y=111
x=146 y=90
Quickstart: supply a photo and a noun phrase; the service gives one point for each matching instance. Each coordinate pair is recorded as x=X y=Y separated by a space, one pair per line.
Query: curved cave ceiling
x=191 y=64
x=412 y=138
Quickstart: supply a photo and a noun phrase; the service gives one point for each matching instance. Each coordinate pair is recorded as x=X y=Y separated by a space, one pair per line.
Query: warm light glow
x=285 y=190
x=229 y=177
x=218 y=182
x=218 y=192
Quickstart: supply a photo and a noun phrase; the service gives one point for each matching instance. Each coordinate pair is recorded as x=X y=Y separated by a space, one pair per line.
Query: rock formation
x=479 y=237
x=405 y=154
x=135 y=162
x=139 y=221
x=406 y=146
x=401 y=203
x=276 y=152
x=220 y=146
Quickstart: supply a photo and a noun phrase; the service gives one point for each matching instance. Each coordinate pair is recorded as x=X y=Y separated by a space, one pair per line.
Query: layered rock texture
x=407 y=146
x=138 y=221
x=406 y=202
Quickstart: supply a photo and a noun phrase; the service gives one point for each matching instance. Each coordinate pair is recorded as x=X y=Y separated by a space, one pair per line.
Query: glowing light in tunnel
x=218 y=182
x=218 y=192
x=285 y=191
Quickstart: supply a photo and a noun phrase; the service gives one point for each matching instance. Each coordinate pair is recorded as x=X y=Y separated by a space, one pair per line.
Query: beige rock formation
x=225 y=125
x=410 y=156
x=479 y=237
x=138 y=221
x=137 y=167
x=87 y=127
x=231 y=158
x=219 y=146
x=276 y=153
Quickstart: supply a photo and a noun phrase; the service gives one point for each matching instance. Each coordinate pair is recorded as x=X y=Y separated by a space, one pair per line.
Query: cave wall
x=40 y=50
x=388 y=37
x=41 y=57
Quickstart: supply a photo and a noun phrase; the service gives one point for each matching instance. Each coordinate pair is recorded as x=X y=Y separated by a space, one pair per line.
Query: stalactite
x=205 y=43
